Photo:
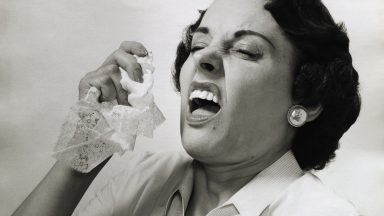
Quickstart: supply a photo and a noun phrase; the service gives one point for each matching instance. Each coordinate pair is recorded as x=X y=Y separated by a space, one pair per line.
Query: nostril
x=207 y=66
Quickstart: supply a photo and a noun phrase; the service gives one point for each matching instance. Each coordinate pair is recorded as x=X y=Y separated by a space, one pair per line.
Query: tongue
x=206 y=110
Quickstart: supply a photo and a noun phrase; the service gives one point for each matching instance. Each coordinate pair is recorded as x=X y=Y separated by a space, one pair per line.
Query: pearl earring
x=297 y=116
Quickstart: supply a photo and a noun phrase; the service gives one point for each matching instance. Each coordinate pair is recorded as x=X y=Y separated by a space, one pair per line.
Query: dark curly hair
x=324 y=76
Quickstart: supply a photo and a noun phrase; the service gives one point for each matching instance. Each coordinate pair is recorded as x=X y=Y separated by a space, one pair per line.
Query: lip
x=200 y=120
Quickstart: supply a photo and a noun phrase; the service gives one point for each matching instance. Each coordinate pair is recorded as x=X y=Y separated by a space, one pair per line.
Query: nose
x=208 y=60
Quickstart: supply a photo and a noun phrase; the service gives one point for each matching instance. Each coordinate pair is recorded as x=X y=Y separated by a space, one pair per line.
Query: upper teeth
x=202 y=94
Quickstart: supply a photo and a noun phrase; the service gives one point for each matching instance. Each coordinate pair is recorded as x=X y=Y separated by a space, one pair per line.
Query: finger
x=121 y=94
x=84 y=86
x=130 y=47
x=134 y=48
x=103 y=82
x=108 y=90
x=127 y=62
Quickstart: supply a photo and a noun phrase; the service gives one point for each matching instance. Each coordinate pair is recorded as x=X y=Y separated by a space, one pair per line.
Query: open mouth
x=204 y=103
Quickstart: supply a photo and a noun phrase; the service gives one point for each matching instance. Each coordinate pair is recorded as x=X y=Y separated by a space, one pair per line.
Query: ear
x=313 y=112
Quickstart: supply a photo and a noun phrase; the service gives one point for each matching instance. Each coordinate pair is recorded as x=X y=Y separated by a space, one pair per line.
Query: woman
x=285 y=92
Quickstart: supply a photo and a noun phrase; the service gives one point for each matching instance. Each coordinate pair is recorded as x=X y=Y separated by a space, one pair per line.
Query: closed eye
x=248 y=54
x=196 y=48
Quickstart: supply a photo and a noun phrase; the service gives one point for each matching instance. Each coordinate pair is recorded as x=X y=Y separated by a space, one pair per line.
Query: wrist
x=67 y=170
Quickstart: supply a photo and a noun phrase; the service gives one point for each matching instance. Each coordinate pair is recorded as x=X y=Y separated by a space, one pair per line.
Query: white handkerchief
x=94 y=131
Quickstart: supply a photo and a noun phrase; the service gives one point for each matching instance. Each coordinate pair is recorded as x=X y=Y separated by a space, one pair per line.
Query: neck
x=226 y=176
x=214 y=184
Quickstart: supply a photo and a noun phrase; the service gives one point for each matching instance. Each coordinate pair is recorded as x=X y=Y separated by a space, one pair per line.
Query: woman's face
x=236 y=85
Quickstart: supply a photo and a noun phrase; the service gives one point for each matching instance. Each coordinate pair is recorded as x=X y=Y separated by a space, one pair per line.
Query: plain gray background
x=47 y=46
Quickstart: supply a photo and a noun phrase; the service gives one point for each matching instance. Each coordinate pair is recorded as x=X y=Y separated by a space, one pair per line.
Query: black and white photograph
x=192 y=108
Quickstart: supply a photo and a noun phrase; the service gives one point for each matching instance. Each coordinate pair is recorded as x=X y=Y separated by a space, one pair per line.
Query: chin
x=198 y=143
x=203 y=124
x=204 y=143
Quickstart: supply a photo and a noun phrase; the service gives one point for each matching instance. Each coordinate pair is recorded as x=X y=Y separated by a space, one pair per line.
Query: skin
x=254 y=76
x=251 y=130
x=256 y=92
x=62 y=182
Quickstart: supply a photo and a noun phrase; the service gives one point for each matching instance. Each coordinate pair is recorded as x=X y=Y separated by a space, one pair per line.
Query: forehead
x=225 y=16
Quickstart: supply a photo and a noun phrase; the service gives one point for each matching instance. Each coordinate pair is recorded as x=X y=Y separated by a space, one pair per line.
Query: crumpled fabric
x=94 y=131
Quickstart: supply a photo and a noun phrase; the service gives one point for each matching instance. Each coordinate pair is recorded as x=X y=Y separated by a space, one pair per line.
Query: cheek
x=186 y=75
x=258 y=91
x=258 y=97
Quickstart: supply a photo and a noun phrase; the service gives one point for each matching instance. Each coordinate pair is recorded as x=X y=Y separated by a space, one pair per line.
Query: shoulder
x=136 y=187
x=309 y=196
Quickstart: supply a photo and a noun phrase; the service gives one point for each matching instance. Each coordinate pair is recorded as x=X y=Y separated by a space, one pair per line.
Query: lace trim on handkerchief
x=94 y=131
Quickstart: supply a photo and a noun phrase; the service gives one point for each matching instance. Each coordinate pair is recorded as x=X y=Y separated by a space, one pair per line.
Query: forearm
x=59 y=192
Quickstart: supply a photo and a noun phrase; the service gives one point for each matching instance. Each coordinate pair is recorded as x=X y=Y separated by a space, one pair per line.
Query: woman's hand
x=107 y=77
x=62 y=188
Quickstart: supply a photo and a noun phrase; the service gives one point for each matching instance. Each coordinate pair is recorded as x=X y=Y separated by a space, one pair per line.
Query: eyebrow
x=242 y=33
x=238 y=34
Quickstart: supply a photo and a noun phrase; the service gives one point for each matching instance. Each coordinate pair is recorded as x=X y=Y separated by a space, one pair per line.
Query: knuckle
x=128 y=43
x=119 y=54
x=116 y=53
x=89 y=74
x=111 y=68
x=103 y=81
x=108 y=69
x=84 y=80
x=131 y=45
x=125 y=44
